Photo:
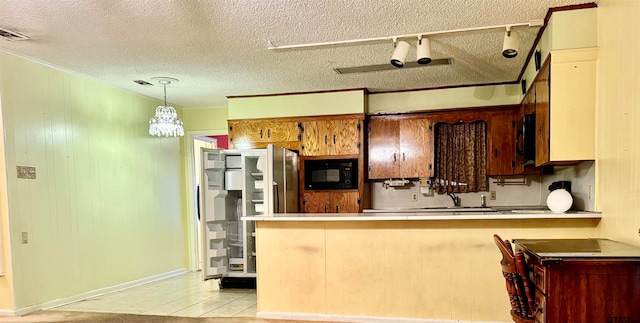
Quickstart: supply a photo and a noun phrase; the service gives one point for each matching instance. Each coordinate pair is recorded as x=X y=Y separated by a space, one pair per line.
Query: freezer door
x=213 y=207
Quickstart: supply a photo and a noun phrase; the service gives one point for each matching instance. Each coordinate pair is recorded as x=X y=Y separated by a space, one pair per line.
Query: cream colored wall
x=443 y=270
x=198 y=119
x=445 y=98
x=343 y=102
x=570 y=29
x=618 y=117
x=6 y=273
x=105 y=207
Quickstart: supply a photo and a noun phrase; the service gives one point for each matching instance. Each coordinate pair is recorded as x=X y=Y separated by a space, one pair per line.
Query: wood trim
x=366 y=91
x=444 y=87
x=426 y=113
x=544 y=27
x=359 y=116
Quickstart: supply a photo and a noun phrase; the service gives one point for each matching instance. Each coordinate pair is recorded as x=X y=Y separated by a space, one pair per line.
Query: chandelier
x=165 y=122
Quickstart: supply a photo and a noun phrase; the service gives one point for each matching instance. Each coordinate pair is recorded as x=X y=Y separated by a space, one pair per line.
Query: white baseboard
x=90 y=294
x=353 y=318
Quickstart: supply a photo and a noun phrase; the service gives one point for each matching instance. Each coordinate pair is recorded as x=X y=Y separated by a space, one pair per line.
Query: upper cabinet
x=565 y=103
x=257 y=133
x=332 y=136
x=400 y=147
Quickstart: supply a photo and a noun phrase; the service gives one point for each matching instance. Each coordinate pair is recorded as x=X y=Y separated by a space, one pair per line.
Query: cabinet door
x=345 y=202
x=416 y=147
x=344 y=137
x=245 y=133
x=542 y=115
x=314 y=138
x=280 y=131
x=315 y=202
x=331 y=137
x=501 y=144
x=384 y=143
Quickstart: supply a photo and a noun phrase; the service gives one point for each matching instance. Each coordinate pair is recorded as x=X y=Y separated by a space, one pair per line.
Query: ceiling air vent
x=387 y=67
x=11 y=36
x=143 y=82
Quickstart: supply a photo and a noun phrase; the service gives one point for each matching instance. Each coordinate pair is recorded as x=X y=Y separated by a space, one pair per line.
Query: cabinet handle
x=268 y=133
x=394 y=157
x=496 y=152
x=402 y=156
x=337 y=209
x=325 y=209
x=334 y=139
x=260 y=133
x=325 y=139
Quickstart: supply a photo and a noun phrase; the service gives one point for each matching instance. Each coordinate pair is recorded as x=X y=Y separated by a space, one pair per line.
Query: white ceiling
x=218 y=48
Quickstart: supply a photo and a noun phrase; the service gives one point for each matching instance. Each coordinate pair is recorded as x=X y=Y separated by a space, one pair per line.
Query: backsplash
x=534 y=193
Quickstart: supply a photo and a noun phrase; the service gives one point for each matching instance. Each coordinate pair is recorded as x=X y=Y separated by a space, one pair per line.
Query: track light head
x=510 y=44
x=424 y=51
x=400 y=53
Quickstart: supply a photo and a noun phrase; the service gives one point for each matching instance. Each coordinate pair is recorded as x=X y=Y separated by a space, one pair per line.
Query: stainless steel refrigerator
x=237 y=183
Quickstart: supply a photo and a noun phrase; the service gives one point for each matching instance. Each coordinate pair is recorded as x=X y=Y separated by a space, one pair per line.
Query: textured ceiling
x=218 y=48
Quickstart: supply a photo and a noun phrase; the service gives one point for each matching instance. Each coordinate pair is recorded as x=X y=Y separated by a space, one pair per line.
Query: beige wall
x=342 y=102
x=105 y=207
x=6 y=276
x=566 y=30
x=476 y=96
x=618 y=120
x=201 y=119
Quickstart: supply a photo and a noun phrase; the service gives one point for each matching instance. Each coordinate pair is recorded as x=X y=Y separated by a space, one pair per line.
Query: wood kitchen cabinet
x=331 y=201
x=400 y=147
x=257 y=133
x=501 y=143
x=332 y=136
x=501 y=134
x=565 y=100
x=583 y=280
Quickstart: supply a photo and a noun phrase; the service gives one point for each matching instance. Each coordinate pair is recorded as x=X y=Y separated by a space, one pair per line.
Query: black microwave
x=331 y=174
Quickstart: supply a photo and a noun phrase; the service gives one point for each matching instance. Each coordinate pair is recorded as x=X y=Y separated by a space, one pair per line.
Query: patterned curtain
x=461 y=157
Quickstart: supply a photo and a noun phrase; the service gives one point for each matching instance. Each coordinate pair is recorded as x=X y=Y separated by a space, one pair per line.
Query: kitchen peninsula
x=436 y=265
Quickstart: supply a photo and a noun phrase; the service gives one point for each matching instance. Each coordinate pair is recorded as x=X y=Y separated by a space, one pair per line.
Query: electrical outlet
x=414 y=196
x=493 y=195
x=25 y=237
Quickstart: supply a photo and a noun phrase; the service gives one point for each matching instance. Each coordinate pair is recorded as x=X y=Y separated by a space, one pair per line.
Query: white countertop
x=422 y=216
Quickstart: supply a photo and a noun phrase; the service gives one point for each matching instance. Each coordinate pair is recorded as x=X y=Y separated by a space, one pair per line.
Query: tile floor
x=183 y=295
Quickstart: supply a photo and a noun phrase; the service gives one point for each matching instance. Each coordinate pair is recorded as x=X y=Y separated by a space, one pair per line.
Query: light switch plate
x=27 y=172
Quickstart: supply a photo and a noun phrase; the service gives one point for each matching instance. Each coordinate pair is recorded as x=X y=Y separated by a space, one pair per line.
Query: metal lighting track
x=387 y=66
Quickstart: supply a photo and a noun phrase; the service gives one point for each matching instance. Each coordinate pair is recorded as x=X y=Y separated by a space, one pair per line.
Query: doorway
x=196 y=141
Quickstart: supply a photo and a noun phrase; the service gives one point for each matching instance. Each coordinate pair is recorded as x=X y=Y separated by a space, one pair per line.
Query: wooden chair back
x=519 y=288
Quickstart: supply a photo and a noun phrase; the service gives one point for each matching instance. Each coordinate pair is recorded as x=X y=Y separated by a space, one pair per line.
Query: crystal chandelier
x=165 y=122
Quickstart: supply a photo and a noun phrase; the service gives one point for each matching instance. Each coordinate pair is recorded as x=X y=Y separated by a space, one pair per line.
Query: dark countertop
x=579 y=248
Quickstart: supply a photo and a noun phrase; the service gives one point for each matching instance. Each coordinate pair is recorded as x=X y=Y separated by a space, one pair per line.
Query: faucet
x=456 y=200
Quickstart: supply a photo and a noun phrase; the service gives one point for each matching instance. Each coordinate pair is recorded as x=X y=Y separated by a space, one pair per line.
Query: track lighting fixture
x=399 y=53
x=401 y=48
x=510 y=44
x=423 y=50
